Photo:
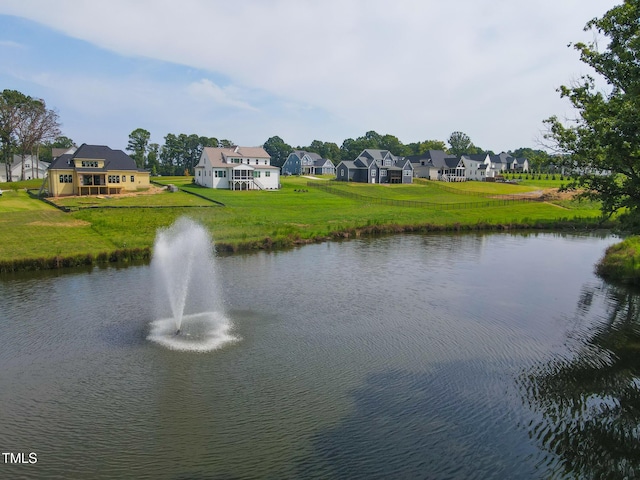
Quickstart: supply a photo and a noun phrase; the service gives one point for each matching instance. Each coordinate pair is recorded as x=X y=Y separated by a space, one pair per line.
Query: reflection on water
x=589 y=398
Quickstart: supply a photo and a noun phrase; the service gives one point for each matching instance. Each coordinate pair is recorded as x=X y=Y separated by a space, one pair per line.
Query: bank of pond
x=136 y=255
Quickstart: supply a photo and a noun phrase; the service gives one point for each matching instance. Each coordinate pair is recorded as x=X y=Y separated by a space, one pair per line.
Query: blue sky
x=246 y=70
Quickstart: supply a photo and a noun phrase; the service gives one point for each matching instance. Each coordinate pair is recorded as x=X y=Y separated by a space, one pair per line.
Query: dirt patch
x=547 y=195
x=153 y=190
x=555 y=194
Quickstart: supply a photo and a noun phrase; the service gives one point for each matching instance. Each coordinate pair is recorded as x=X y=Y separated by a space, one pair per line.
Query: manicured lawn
x=20 y=201
x=251 y=219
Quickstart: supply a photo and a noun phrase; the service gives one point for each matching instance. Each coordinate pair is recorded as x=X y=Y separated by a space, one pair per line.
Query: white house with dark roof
x=236 y=168
x=95 y=170
x=503 y=162
x=375 y=166
x=300 y=162
x=476 y=166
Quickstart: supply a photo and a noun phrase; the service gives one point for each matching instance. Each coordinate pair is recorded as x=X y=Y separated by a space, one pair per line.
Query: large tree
x=327 y=150
x=138 y=145
x=418 y=148
x=603 y=141
x=278 y=149
x=460 y=144
x=11 y=104
x=37 y=124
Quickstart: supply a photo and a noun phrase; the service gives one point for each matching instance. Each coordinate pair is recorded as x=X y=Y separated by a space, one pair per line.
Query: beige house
x=95 y=170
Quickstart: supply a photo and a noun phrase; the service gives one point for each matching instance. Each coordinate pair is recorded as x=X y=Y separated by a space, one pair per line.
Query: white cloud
x=206 y=90
x=414 y=68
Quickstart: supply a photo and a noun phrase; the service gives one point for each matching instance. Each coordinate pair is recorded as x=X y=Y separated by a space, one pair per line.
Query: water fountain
x=186 y=289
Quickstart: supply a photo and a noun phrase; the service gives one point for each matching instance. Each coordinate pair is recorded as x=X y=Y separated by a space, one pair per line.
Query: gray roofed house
x=438 y=165
x=95 y=170
x=300 y=162
x=503 y=162
x=375 y=166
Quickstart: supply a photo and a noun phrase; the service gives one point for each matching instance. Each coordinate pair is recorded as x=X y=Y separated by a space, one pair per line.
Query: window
x=87 y=163
x=198 y=172
x=257 y=161
x=373 y=172
x=220 y=173
x=66 y=179
x=267 y=174
x=256 y=174
x=407 y=173
x=383 y=173
x=133 y=178
x=124 y=178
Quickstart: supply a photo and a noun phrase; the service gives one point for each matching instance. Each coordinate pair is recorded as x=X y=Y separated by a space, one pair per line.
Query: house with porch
x=300 y=162
x=95 y=170
x=236 y=168
x=475 y=166
x=375 y=166
x=439 y=165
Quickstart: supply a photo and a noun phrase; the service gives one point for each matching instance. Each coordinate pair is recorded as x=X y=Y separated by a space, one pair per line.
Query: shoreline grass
x=621 y=262
x=35 y=235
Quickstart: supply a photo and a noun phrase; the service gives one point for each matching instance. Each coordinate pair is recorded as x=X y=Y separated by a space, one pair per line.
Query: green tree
x=278 y=149
x=395 y=146
x=327 y=150
x=418 y=148
x=538 y=159
x=460 y=144
x=604 y=137
x=138 y=145
x=62 y=142
x=153 y=158
x=45 y=153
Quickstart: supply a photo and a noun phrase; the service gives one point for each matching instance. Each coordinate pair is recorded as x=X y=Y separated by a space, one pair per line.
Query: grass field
x=297 y=213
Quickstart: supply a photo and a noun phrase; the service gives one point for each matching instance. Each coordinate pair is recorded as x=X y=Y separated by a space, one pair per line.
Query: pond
x=413 y=356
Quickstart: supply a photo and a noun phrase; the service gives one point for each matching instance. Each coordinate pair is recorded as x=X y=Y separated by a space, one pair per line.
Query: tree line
x=29 y=127
x=181 y=153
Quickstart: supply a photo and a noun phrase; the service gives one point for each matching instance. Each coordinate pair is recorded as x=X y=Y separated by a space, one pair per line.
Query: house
x=439 y=165
x=236 y=168
x=475 y=166
x=28 y=169
x=504 y=162
x=300 y=162
x=432 y=164
x=520 y=165
x=375 y=166
x=95 y=170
